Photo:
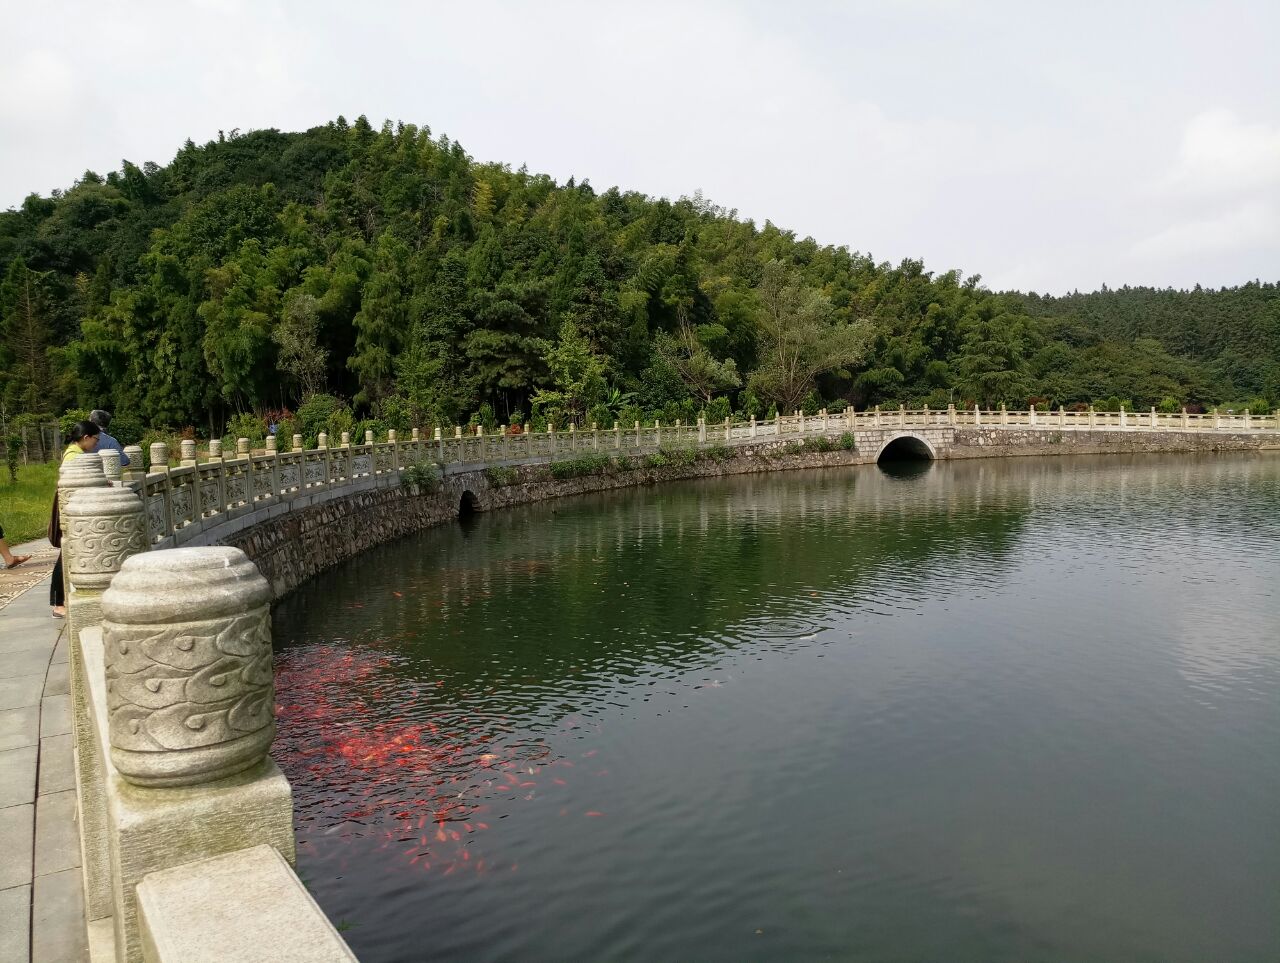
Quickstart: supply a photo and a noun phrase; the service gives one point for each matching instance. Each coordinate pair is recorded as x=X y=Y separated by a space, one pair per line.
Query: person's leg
x=10 y=560
x=57 y=597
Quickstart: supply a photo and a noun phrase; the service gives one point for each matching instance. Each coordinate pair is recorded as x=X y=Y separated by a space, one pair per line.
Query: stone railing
x=186 y=823
x=188 y=501
x=183 y=814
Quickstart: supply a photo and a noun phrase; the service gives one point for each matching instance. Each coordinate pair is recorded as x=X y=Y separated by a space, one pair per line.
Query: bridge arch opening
x=468 y=504
x=906 y=448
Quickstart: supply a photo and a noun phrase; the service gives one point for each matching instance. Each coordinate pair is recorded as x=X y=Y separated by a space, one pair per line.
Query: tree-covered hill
x=388 y=268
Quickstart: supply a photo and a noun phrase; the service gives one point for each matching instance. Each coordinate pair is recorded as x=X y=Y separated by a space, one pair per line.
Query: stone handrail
x=172 y=706
x=183 y=501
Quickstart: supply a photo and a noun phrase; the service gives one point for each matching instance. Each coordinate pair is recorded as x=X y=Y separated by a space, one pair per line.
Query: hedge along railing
x=201 y=491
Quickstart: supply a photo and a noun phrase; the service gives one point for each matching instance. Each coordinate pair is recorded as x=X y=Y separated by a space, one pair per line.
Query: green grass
x=24 y=507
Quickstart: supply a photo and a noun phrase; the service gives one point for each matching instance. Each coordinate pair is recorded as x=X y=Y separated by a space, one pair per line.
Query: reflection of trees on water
x=649 y=578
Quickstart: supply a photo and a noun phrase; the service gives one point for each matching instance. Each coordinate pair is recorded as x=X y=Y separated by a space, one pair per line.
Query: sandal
x=59 y=615
x=18 y=560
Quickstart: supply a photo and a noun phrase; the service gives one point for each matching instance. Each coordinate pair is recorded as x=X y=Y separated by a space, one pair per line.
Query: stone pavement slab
x=15 y=929
x=25 y=690
x=18 y=776
x=57 y=842
x=57 y=680
x=57 y=770
x=58 y=932
x=19 y=727
x=55 y=715
x=24 y=662
x=17 y=832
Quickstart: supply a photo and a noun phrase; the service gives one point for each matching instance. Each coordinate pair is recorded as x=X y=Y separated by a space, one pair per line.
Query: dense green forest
x=352 y=273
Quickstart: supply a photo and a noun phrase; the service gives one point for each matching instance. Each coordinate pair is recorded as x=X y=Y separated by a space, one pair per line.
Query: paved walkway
x=41 y=898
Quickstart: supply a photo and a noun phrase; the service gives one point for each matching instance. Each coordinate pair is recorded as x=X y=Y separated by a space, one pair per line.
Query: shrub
x=624 y=463
x=253 y=427
x=718 y=410
x=578 y=467
x=678 y=455
x=421 y=477
x=656 y=459
x=315 y=415
x=716 y=453
x=501 y=476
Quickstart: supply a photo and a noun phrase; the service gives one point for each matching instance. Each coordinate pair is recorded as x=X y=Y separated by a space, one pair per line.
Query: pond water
x=1020 y=709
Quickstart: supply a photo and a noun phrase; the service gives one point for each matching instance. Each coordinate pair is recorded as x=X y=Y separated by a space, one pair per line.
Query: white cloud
x=1246 y=225
x=38 y=85
x=1221 y=154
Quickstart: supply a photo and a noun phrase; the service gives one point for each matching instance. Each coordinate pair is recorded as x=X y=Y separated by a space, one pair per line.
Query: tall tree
x=798 y=339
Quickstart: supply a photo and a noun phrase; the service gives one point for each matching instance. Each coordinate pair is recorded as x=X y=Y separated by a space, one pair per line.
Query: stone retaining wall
x=1003 y=442
x=292 y=548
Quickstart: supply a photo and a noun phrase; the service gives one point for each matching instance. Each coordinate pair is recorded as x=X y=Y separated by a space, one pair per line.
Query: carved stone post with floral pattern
x=188 y=710
x=190 y=694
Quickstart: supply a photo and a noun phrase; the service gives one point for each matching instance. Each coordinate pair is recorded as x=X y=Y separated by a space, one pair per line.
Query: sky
x=1050 y=146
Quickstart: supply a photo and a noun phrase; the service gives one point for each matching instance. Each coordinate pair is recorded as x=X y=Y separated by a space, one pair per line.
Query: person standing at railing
x=105 y=442
x=84 y=438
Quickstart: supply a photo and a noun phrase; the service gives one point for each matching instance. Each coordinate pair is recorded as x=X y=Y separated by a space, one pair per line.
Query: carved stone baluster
x=110 y=464
x=190 y=693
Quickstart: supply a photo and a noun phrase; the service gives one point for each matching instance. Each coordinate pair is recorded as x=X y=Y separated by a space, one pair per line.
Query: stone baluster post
x=1062 y=417
x=638 y=435
x=1123 y=422
x=657 y=433
x=322 y=445
x=215 y=449
x=395 y=449
x=187 y=456
x=1004 y=414
x=702 y=430
x=902 y=416
x=186 y=648
x=1153 y=417
x=728 y=429
x=110 y=464
x=595 y=437
x=104 y=526
x=573 y=438
x=977 y=416
x=368 y=437
x=800 y=420
x=297 y=443
x=951 y=415
x=753 y=426
x=1184 y=418
x=159 y=457
x=1092 y=416
x=527 y=432
x=1217 y=419
x=926 y=416
x=242 y=451
x=1032 y=416
x=875 y=419
x=136 y=470
x=1246 y=419
x=617 y=435
x=273 y=467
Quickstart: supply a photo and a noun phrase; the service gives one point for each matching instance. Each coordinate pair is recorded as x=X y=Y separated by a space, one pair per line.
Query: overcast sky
x=1045 y=146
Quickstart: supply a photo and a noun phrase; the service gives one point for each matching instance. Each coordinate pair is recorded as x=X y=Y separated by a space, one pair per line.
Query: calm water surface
x=1016 y=710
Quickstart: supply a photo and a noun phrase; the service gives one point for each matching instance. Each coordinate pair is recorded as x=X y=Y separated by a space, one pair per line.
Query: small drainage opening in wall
x=468 y=505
